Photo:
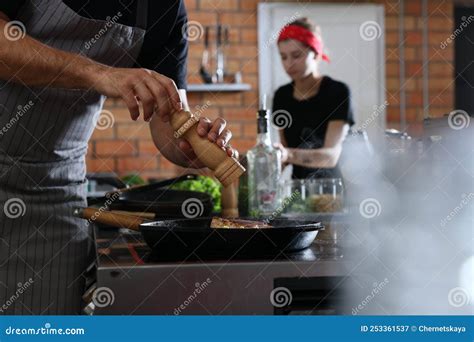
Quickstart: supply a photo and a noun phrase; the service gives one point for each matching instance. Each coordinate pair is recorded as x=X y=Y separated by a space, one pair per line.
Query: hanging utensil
x=203 y=70
x=219 y=55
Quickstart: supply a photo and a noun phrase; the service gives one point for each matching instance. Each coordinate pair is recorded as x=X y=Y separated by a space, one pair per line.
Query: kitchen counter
x=143 y=282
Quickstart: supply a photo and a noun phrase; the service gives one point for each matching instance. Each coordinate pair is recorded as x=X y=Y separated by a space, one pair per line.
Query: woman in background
x=319 y=106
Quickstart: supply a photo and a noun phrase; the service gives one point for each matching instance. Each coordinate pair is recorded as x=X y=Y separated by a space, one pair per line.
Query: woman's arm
x=282 y=138
x=328 y=155
x=283 y=147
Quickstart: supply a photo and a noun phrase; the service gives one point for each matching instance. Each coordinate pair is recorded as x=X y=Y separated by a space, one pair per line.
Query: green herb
x=133 y=179
x=255 y=213
x=202 y=184
x=296 y=205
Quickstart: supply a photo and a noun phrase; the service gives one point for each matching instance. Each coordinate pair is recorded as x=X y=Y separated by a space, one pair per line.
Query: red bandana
x=304 y=36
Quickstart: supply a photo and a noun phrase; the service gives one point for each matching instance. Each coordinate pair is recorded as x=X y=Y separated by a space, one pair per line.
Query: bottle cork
x=226 y=169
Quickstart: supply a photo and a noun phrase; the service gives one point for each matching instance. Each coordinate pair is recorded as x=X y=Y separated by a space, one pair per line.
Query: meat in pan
x=219 y=222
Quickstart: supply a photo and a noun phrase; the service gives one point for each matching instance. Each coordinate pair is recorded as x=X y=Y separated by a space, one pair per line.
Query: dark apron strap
x=142 y=14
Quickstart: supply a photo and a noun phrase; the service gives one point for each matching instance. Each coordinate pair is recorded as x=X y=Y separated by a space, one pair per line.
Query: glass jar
x=294 y=196
x=324 y=195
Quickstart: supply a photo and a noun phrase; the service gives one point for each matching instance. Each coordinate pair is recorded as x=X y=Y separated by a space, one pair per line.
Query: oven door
x=311 y=296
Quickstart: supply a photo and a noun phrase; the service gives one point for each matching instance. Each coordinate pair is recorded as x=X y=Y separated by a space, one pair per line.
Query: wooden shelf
x=219 y=87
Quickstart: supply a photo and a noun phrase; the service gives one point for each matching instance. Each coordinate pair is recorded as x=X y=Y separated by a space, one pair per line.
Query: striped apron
x=44 y=132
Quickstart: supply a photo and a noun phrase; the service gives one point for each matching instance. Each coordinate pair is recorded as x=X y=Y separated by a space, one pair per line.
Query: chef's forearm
x=30 y=62
x=326 y=157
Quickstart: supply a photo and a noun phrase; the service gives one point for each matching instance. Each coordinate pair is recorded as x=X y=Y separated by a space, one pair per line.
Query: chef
x=317 y=106
x=59 y=60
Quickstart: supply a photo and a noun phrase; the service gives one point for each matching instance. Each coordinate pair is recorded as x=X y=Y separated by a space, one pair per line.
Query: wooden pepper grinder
x=229 y=201
x=226 y=169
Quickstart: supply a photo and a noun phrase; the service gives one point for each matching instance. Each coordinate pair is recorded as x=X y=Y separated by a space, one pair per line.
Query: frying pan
x=195 y=235
x=154 y=185
x=162 y=202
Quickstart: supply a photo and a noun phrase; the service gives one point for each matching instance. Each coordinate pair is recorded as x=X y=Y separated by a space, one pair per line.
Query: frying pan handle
x=111 y=219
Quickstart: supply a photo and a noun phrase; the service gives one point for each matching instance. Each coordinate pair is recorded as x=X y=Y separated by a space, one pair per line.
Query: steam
x=412 y=222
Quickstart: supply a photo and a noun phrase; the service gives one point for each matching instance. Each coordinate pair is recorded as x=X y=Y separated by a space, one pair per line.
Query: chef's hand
x=155 y=93
x=284 y=152
x=215 y=132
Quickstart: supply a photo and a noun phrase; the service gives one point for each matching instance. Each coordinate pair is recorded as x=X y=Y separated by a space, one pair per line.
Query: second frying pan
x=164 y=203
x=156 y=198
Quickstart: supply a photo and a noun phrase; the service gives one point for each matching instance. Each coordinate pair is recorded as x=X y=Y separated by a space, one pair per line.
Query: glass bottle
x=264 y=169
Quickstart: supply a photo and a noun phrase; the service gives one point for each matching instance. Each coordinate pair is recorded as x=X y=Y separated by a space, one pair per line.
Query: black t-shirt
x=310 y=118
x=164 y=48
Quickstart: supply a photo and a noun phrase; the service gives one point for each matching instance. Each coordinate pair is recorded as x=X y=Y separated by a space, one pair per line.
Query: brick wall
x=126 y=146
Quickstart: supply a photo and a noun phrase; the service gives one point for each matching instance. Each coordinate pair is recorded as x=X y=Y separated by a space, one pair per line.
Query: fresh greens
x=296 y=205
x=133 y=179
x=202 y=184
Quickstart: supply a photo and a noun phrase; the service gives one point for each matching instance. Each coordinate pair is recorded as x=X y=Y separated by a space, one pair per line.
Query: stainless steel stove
x=131 y=279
